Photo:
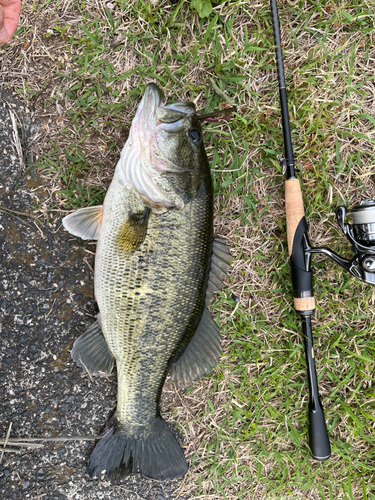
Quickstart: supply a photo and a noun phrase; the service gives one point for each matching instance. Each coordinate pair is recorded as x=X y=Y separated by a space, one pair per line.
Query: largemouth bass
x=156 y=268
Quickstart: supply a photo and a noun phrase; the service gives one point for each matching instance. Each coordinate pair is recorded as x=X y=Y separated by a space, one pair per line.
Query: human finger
x=9 y=17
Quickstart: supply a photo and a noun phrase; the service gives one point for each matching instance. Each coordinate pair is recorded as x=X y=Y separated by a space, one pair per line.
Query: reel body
x=361 y=235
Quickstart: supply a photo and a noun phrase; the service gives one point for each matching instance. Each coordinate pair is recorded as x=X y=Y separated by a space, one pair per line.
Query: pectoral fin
x=85 y=222
x=133 y=231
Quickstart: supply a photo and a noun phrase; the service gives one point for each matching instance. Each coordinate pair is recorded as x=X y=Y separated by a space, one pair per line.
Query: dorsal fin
x=220 y=264
x=201 y=354
x=204 y=349
x=85 y=222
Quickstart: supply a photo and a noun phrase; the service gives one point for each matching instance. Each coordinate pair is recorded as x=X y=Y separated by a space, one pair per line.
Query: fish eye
x=195 y=135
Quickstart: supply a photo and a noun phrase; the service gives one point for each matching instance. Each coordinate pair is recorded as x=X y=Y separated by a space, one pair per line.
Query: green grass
x=251 y=414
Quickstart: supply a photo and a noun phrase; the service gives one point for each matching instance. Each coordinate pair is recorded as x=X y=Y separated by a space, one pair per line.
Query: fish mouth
x=171 y=117
x=152 y=99
x=145 y=117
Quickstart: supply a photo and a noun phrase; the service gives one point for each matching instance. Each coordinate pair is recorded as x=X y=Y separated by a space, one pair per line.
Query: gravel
x=46 y=302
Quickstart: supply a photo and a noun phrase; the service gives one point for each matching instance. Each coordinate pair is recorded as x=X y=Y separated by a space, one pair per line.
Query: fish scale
x=147 y=297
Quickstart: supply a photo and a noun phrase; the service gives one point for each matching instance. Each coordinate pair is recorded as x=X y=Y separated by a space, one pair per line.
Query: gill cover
x=160 y=160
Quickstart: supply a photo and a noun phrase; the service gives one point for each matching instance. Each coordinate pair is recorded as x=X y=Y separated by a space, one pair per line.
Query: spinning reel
x=361 y=235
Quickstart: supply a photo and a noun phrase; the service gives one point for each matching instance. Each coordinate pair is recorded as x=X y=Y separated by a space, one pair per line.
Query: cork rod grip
x=294 y=213
x=302 y=305
x=294 y=209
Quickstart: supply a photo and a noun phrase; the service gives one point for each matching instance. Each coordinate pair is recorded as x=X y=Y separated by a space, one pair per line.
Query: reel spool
x=364 y=222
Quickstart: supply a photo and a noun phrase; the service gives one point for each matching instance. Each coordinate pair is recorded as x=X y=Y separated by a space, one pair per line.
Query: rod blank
x=289 y=159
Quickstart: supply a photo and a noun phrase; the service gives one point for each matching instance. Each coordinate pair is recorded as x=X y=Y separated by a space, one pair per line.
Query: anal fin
x=90 y=351
x=201 y=355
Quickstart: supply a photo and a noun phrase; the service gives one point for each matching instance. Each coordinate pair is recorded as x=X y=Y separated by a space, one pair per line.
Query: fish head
x=164 y=159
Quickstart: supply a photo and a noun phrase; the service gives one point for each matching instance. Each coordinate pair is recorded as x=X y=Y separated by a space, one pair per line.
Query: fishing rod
x=361 y=236
x=298 y=243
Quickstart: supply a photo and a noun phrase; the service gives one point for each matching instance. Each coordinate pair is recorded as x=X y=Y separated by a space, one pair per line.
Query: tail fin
x=154 y=453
